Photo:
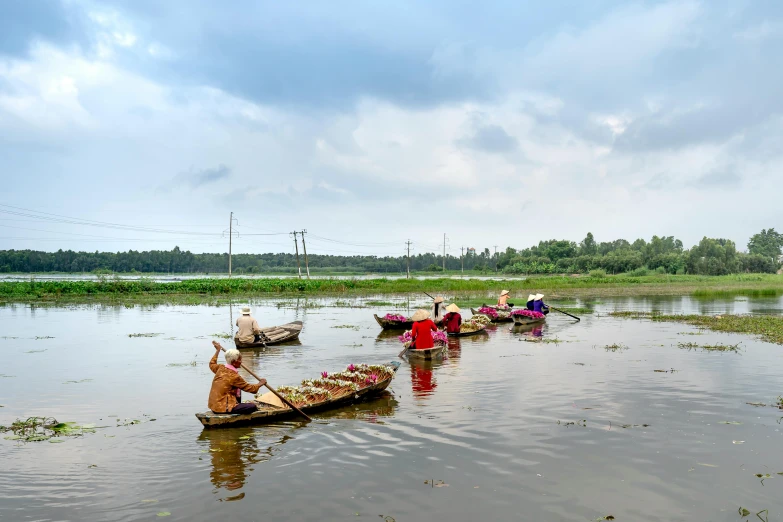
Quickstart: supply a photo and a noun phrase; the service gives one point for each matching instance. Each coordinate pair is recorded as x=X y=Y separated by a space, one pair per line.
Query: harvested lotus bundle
x=397 y=318
x=332 y=386
x=480 y=319
x=439 y=337
x=527 y=313
x=489 y=312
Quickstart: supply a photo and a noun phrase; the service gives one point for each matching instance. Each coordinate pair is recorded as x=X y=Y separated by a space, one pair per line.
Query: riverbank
x=205 y=290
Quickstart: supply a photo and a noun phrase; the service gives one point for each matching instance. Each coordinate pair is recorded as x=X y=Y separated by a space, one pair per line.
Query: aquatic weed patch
x=768 y=327
x=144 y=334
x=39 y=429
x=615 y=347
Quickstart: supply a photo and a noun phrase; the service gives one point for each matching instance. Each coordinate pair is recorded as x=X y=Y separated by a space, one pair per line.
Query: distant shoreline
x=118 y=290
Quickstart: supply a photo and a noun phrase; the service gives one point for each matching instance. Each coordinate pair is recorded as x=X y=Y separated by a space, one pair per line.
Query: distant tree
x=588 y=246
x=766 y=243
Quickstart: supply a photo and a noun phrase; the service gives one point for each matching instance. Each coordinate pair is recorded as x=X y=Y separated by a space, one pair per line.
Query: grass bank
x=768 y=327
x=754 y=285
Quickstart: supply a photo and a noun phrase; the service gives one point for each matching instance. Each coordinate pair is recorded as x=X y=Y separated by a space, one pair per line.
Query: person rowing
x=452 y=320
x=438 y=309
x=225 y=396
x=503 y=300
x=538 y=304
x=421 y=333
x=248 y=331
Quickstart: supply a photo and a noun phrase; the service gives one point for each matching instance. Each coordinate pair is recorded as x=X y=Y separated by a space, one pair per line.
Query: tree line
x=661 y=255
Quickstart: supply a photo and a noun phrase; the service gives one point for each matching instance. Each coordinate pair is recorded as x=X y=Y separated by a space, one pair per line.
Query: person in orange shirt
x=421 y=333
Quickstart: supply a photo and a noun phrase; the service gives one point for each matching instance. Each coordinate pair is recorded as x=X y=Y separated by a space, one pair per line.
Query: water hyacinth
x=527 y=313
x=396 y=318
x=489 y=312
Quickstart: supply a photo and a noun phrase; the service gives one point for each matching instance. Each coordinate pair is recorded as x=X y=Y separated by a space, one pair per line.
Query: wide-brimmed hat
x=439 y=299
x=420 y=315
x=531 y=297
x=452 y=308
x=245 y=310
x=539 y=296
x=504 y=292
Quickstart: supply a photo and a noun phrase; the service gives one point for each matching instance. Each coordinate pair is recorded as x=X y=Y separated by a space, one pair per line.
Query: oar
x=428 y=295
x=562 y=312
x=402 y=352
x=297 y=410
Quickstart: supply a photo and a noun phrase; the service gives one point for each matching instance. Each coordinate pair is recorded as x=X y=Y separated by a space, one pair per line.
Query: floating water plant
x=615 y=347
x=144 y=334
x=38 y=429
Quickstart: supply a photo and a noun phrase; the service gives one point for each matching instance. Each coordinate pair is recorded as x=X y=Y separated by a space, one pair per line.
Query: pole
x=408 y=260
x=296 y=245
x=444 y=251
x=230 y=233
x=496 y=257
x=304 y=247
x=462 y=258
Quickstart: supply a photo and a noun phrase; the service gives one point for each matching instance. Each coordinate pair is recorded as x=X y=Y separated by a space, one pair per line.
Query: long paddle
x=428 y=295
x=562 y=312
x=297 y=410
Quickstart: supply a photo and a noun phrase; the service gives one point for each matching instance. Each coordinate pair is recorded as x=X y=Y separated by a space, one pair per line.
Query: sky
x=139 y=124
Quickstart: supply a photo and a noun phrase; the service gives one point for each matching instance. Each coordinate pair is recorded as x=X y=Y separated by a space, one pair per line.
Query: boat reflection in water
x=234 y=453
x=371 y=411
x=423 y=380
x=532 y=330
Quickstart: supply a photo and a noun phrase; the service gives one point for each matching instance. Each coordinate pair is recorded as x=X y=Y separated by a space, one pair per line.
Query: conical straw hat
x=420 y=315
x=504 y=292
x=539 y=296
x=452 y=308
x=439 y=299
x=531 y=297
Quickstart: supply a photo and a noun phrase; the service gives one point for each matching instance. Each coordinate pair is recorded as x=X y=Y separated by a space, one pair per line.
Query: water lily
x=351 y=367
x=324 y=375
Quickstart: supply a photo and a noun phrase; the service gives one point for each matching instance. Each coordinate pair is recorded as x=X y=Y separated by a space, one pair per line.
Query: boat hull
x=498 y=320
x=525 y=321
x=427 y=354
x=292 y=330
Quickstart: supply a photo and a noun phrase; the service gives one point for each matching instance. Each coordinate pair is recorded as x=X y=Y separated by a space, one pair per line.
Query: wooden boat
x=427 y=354
x=521 y=320
x=393 y=325
x=268 y=413
x=498 y=320
x=275 y=335
x=465 y=334
x=396 y=325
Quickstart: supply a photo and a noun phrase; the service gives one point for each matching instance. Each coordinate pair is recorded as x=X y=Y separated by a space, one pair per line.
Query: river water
x=485 y=435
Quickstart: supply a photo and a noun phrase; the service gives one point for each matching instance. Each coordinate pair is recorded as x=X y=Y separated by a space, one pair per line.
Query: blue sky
x=374 y=122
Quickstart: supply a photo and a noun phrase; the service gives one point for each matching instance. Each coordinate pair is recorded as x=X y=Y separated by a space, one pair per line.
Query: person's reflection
x=455 y=348
x=422 y=379
x=233 y=453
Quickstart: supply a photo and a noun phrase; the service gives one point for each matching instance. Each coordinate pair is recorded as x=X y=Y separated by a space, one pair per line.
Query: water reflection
x=233 y=454
x=371 y=411
x=423 y=382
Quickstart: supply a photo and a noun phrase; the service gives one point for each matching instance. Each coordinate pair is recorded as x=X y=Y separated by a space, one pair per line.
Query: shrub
x=598 y=273
x=639 y=272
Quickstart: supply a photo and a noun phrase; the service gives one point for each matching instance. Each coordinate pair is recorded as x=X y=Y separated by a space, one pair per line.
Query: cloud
x=492 y=139
x=725 y=176
x=198 y=178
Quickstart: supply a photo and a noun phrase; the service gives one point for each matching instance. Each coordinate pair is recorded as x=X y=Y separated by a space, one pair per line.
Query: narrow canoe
x=393 y=325
x=521 y=320
x=498 y=320
x=427 y=354
x=464 y=334
x=290 y=332
x=267 y=414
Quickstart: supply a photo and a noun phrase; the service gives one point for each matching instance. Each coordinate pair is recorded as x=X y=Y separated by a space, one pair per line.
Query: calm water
x=488 y=425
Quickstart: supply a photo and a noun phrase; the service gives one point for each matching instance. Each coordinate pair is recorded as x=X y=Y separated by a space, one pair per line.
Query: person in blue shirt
x=538 y=304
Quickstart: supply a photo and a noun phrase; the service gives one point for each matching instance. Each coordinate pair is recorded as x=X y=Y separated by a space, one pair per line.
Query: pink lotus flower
x=528 y=313
x=324 y=375
x=351 y=367
x=490 y=312
x=395 y=317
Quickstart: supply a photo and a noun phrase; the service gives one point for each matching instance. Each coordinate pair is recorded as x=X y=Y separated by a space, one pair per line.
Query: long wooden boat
x=268 y=413
x=497 y=320
x=521 y=320
x=393 y=325
x=276 y=335
x=427 y=354
x=465 y=334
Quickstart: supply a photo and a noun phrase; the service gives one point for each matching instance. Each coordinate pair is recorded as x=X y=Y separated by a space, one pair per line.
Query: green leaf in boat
x=164 y=514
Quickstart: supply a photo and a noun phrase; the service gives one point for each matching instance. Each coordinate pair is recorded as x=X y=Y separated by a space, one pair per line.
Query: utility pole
x=496 y=257
x=304 y=247
x=408 y=259
x=462 y=258
x=230 y=237
x=444 y=251
x=298 y=266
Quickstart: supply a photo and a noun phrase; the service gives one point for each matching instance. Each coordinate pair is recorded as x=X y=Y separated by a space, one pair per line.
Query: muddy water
x=490 y=426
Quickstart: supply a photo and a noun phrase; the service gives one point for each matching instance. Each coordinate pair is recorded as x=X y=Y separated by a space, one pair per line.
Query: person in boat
x=503 y=299
x=452 y=320
x=227 y=385
x=438 y=309
x=539 y=306
x=248 y=331
x=530 y=300
x=421 y=333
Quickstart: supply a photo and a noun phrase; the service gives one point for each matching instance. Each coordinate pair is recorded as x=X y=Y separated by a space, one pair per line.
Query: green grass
x=467 y=291
x=768 y=327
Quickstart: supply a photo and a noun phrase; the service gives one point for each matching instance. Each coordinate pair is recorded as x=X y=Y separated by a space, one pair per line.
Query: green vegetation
x=39 y=429
x=615 y=347
x=217 y=291
x=710 y=347
x=768 y=327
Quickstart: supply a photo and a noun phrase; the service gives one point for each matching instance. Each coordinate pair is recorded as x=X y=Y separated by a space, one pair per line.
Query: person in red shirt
x=452 y=320
x=421 y=332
